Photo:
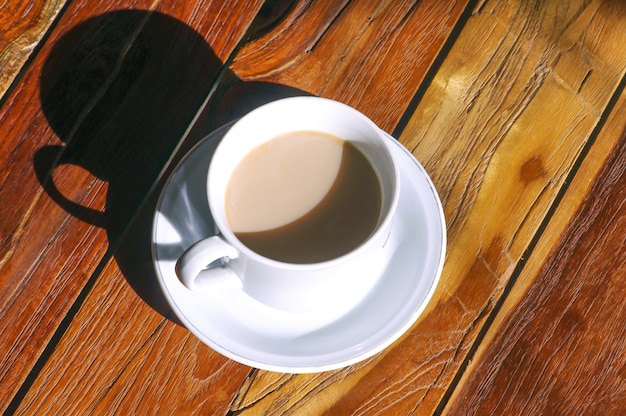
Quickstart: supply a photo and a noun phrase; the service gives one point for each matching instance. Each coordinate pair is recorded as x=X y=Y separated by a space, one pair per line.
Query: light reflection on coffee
x=303 y=197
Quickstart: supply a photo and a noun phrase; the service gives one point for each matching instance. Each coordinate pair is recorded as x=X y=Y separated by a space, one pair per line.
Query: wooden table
x=516 y=108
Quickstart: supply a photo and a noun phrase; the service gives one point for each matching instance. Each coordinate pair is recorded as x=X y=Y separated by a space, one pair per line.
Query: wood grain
x=558 y=344
x=372 y=55
x=499 y=129
x=119 y=356
x=24 y=24
x=109 y=377
x=106 y=100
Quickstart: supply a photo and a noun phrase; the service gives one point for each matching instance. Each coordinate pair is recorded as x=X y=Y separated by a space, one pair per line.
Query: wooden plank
x=499 y=129
x=558 y=344
x=24 y=24
x=372 y=55
x=120 y=356
x=85 y=133
x=109 y=376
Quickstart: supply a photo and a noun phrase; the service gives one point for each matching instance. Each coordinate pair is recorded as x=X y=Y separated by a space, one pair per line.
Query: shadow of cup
x=120 y=90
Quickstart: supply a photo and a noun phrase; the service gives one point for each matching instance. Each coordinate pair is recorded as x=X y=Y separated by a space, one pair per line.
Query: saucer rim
x=397 y=333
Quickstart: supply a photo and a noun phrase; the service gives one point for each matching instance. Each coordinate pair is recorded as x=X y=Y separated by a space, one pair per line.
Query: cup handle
x=194 y=270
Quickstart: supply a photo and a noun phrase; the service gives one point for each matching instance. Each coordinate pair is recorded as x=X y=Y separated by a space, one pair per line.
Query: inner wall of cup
x=378 y=156
x=297 y=114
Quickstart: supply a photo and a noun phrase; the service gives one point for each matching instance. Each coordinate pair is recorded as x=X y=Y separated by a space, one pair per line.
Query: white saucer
x=251 y=333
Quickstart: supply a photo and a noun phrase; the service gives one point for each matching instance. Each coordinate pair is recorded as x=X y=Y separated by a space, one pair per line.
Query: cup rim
x=383 y=226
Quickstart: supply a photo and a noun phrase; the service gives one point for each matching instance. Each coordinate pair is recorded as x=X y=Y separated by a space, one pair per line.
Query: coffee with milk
x=303 y=197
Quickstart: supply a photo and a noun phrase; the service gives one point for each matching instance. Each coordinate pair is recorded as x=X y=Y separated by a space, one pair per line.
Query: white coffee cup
x=333 y=285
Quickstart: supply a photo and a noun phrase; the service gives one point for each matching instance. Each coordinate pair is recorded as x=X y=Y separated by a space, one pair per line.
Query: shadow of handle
x=47 y=159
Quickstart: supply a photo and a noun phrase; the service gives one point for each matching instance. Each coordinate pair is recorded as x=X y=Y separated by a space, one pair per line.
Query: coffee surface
x=303 y=197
